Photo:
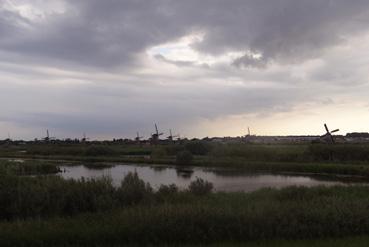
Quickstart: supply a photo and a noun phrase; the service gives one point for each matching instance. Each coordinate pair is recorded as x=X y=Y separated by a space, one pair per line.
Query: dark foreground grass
x=360 y=241
x=265 y=216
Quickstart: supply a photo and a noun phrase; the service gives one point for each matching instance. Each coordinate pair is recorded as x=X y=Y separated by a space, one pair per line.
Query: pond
x=222 y=179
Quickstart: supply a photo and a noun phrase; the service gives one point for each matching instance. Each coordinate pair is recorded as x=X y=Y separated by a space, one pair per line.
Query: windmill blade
x=335 y=130
x=332 y=139
x=326 y=128
x=156 y=129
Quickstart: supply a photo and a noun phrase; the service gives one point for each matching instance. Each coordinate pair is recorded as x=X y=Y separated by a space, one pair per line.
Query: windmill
x=48 y=138
x=171 y=136
x=178 y=137
x=155 y=136
x=84 y=138
x=138 y=138
x=247 y=137
x=328 y=135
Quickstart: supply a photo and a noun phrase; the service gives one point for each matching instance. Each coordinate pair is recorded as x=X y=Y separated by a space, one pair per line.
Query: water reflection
x=185 y=173
x=158 y=168
x=223 y=180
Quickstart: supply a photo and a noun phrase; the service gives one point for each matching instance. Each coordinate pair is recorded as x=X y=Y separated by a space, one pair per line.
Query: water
x=223 y=180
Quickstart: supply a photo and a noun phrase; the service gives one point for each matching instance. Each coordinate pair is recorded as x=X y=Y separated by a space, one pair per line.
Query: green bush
x=166 y=192
x=133 y=190
x=167 y=189
x=200 y=187
x=184 y=158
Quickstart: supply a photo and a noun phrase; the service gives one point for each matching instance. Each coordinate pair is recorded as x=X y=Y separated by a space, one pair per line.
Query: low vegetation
x=52 y=211
x=39 y=210
x=341 y=159
x=45 y=196
x=250 y=152
x=184 y=158
x=23 y=168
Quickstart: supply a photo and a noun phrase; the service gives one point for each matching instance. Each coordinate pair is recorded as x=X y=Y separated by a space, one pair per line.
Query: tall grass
x=24 y=197
x=27 y=168
x=291 y=213
x=250 y=152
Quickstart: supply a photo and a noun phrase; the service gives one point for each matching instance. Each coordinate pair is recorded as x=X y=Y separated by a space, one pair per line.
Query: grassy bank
x=26 y=168
x=185 y=218
x=243 y=165
x=340 y=159
x=341 y=153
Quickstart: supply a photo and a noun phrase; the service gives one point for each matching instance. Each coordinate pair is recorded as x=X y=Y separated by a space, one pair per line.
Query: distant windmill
x=48 y=138
x=178 y=137
x=84 y=138
x=155 y=136
x=328 y=135
x=171 y=136
x=248 y=135
x=138 y=138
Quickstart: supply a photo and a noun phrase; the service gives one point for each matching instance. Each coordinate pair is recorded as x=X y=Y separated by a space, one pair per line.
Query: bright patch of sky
x=182 y=50
x=37 y=10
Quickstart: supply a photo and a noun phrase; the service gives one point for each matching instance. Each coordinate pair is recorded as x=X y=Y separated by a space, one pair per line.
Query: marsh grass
x=46 y=196
x=291 y=214
x=27 y=168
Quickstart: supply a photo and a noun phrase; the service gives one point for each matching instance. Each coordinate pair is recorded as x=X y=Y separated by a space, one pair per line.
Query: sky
x=199 y=67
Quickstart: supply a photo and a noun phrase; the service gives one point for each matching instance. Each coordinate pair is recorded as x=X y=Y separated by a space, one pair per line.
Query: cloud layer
x=113 y=67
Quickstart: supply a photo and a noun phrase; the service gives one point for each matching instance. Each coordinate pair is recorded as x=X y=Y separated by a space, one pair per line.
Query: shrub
x=167 y=189
x=184 y=158
x=166 y=192
x=133 y=190
x=200 y=187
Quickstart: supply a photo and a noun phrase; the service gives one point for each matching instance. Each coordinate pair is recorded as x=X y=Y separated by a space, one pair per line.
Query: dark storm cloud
x=110 y=33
